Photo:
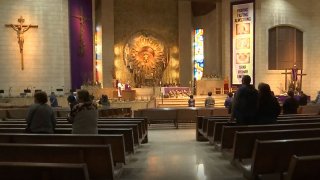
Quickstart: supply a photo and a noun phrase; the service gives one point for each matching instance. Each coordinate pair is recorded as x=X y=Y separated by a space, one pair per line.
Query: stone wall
x=46 y=49
x=270 y=13
x=159 y=17
x=296 y=13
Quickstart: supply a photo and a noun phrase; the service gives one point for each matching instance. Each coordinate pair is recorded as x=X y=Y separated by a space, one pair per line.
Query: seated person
x=104 y=101
x=209 y=102
x=303 y=100
x=191 y=101
x=290 y=105
x=317 y=100
x=84 y=115
x=40 y=117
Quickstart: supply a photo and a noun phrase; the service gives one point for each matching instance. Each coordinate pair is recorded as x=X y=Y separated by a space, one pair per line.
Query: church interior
x=148 y=57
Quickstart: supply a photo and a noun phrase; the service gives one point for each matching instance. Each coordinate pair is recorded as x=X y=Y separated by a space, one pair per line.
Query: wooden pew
x=228 y=132
x=273 y=156
x=63 y=123
x=244 y=140
x=144 y=121
x=303 y=167
x=127 y=132
x=199 y=124
x=116 y=141
x=134 y=127
x=215 y=125
x=186 y=115
x=97 y=157
x=42 y=171
x=157 y=115
x=216 y=137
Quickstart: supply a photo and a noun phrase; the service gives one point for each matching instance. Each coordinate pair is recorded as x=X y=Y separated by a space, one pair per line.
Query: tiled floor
x=175 y=154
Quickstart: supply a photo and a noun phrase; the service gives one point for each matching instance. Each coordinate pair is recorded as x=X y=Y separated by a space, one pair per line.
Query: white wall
x=46 y=49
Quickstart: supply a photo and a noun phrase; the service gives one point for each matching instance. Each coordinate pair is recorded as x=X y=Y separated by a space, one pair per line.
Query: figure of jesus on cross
x=21 y=29
x=82 y=20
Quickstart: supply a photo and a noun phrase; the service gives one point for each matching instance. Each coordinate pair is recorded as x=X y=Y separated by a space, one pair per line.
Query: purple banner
x=81 y=42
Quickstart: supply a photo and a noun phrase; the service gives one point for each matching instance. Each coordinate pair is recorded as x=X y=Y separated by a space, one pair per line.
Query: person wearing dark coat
x=290 y=105
x=268 y=105
x=303 y=100
x=245 y=103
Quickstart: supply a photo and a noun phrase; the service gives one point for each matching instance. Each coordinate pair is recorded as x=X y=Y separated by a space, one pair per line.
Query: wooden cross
x=21 y=29
x=286 y=73
x=82 y=23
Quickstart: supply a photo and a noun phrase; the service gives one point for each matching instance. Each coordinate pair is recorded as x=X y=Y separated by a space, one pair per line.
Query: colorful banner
x=242 y=42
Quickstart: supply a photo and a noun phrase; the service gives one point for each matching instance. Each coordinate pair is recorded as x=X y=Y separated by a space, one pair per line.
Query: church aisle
x=175 y=154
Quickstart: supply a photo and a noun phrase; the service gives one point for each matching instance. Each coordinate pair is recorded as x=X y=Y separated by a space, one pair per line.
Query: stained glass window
x=198 y=54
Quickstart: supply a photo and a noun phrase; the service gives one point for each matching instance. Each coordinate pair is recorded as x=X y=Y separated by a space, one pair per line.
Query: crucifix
x=295 y=82
x=21 y=29
x=82 y=23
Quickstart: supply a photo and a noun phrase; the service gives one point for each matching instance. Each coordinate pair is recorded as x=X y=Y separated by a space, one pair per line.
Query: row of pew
x=70 y=156
x=21 y=113
x=288 y=149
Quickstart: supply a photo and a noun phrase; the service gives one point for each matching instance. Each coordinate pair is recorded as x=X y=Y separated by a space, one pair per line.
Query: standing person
x=209 y=102
x=71 y=99
x=303 y=100
x=228 y=102
x=40 y=117
x=245 y=102
x=53 y=100
x=290 y=105
x=84 y=115
x=191 y=101
x=268 y=105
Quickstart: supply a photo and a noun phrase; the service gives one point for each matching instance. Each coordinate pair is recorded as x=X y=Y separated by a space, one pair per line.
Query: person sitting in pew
x=209 y=101
x=290 y=105
x=40 y=117
x=268 y=105
x=84 y=115
x=303 y=100
x=191 y=101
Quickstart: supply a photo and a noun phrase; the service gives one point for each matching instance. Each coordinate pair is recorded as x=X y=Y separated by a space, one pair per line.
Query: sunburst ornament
x=145 y=56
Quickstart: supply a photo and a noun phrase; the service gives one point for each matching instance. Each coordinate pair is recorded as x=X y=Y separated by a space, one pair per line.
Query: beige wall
x=185 y=43
x=211 y=24
x=297 y=13
x=269 y=13
x=107 y=22
x=158 y=17
x=46 y=49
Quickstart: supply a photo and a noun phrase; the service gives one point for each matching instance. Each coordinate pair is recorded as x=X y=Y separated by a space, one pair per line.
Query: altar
x=176 y=91
x=205 y=85
x=282 y=98
x=126 y=95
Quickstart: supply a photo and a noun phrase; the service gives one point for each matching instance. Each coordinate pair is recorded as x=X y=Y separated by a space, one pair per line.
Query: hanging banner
x=242 y=42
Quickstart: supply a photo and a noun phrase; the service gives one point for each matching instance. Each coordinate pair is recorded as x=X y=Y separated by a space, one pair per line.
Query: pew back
x=52 y=171
x=97 y=157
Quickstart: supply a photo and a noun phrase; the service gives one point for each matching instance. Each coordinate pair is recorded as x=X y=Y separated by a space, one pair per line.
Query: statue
x=21 y=29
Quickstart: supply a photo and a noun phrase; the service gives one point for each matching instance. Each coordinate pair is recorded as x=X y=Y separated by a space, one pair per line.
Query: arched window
x=285 y=48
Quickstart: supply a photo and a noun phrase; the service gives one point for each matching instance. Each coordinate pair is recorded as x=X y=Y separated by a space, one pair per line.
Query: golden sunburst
x=146 y=57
